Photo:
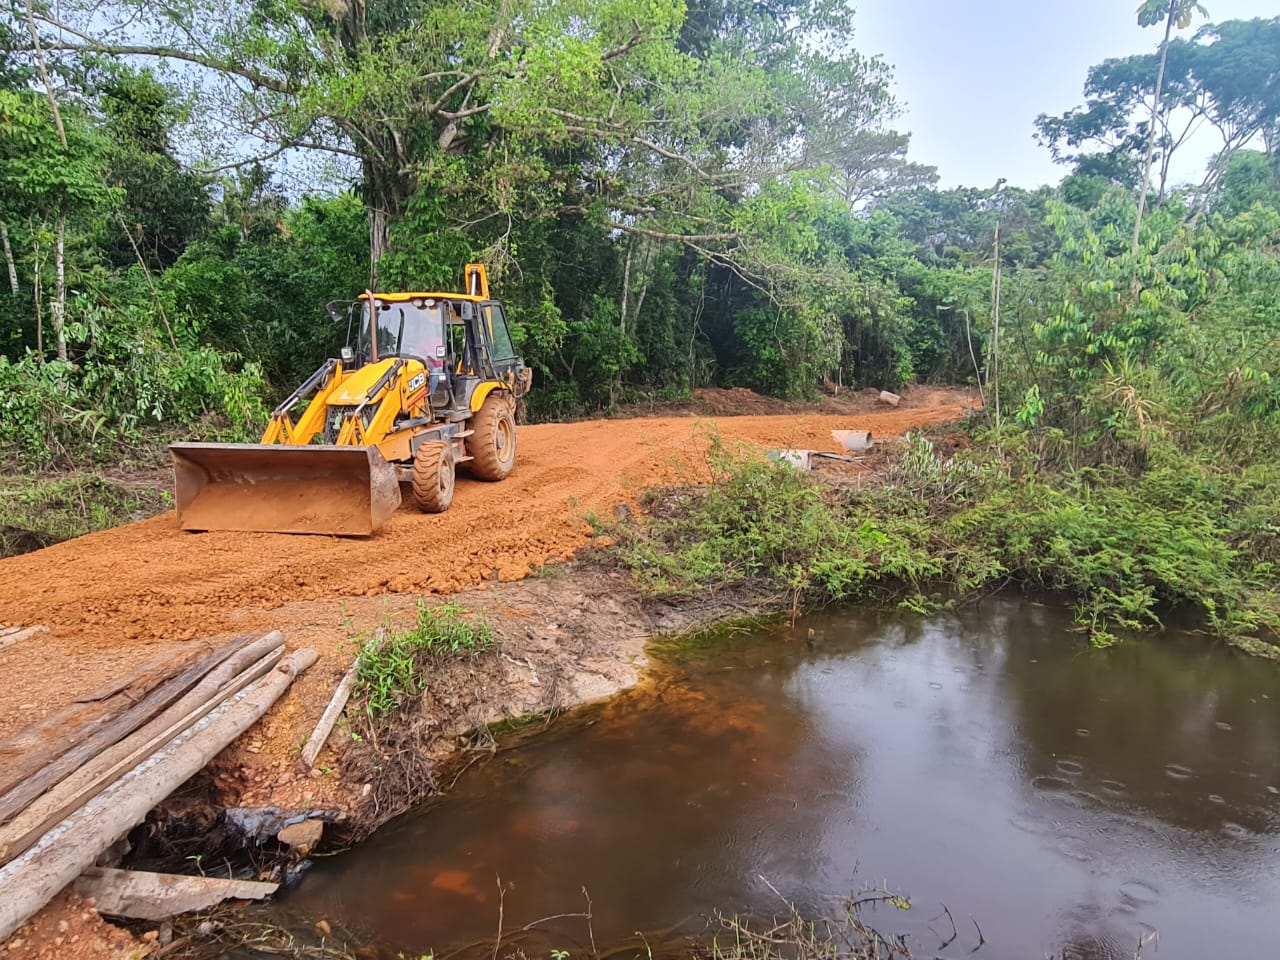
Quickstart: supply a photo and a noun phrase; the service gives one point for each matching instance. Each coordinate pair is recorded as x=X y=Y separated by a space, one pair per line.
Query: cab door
x=502 y=351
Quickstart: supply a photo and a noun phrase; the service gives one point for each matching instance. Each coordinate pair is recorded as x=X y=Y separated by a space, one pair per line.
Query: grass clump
x=392 y=663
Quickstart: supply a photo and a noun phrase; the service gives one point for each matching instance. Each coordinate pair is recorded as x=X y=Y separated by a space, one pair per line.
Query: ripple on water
x=1071 y=768
x=1176 y=771
x=1222 y=725
x=1235 y=830
x=1051 y=783
x=1113 y=786
x=1274 y=791
x=934 y=685
x=1216 y=798
x=1026 y=825
x=1138 y=892
x=1082 y=732
x=1073 y=848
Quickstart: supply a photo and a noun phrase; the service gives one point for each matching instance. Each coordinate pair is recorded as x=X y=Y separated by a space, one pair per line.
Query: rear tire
x=492 y=445
x=433 y=477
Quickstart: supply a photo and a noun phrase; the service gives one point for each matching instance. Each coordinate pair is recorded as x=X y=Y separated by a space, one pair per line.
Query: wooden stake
x=327 y=719
x=23 y=752
x=15 y=635
x=49 y=771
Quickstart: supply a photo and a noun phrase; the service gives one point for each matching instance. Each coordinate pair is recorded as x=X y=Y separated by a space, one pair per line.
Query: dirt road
x=112 y=599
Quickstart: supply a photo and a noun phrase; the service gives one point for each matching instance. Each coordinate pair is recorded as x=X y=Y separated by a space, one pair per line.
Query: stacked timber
x=77 y=782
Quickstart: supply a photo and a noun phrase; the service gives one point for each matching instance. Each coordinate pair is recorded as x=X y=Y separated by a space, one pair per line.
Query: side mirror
x=468 y=310
x=348 y=356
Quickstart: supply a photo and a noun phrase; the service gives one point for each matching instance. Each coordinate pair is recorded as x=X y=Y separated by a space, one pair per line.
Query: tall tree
x=1151 y=12
x=622 y=111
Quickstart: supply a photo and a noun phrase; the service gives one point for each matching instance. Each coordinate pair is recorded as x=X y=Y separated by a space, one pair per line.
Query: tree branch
x=173 y=53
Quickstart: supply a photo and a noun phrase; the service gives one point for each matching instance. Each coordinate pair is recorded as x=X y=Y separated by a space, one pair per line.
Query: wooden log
x=150 y=674
x=330 y=716
x=42 y=770
x=139 y=895
x=24 y=751
x=17 y=636
x=892 y=399
x=66 y=851
x=76 y=790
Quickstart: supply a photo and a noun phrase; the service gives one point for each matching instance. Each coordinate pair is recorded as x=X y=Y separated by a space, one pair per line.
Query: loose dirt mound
x=112 y=599
x=741 y=402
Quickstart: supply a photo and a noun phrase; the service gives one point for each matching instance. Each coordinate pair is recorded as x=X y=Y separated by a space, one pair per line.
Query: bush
x=766 y=528
x=1123 y=547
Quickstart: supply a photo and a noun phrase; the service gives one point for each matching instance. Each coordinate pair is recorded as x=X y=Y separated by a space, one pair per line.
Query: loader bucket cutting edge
x=270 y=488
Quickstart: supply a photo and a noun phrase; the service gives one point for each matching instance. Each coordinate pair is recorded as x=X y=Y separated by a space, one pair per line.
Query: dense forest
x=668 y=196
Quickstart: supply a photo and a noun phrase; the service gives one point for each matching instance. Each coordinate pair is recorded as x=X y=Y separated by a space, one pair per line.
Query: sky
x=974 y=75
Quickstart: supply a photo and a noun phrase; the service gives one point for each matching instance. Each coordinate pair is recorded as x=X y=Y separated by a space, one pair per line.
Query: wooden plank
x=155 y=896
x=37 y=772
x=17 y=636
x=70 y=848
x=337 y=702
x=72 y=793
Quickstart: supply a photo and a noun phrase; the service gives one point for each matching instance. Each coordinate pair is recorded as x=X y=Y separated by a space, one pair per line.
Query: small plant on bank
x=391 y=664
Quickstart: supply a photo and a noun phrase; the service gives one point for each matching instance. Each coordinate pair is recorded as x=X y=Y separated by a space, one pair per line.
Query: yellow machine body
x=335 y=452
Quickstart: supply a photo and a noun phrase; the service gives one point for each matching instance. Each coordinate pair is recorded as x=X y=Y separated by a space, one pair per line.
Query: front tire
x=433 y=477
x=492 y=445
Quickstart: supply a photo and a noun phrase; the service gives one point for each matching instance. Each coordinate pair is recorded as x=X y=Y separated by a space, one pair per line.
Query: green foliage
x=37 y=512
x=1124 y=548
x=1127 y=547
x=764 y=527
x=392 y=664
x=123 y=383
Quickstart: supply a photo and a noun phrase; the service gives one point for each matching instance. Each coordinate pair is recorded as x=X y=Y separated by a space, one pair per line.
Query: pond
x=1053 y=798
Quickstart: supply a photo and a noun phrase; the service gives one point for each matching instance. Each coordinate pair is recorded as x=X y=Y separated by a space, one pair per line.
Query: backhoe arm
x=281 y=429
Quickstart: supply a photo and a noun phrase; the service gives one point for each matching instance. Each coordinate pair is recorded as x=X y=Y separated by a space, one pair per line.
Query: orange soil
x=70 y=929
x=114 y=598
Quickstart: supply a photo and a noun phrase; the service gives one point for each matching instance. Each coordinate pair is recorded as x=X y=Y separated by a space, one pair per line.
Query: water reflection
x=1070 y=800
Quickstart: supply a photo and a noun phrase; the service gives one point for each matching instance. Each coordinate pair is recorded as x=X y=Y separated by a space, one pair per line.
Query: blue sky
x=974 y=75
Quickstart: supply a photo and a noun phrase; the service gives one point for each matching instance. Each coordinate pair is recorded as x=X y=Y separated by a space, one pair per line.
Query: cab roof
x=437 y=295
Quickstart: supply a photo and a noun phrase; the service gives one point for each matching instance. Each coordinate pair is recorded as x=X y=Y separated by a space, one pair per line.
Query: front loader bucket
x=272 y=488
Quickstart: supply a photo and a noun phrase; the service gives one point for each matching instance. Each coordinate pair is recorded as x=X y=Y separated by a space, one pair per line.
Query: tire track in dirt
x=114 y=598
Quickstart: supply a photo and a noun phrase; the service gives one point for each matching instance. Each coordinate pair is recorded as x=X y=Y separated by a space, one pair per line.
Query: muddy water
x=1070 y=801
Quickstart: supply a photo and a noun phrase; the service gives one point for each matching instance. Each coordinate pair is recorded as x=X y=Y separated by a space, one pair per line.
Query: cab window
x=503 y=348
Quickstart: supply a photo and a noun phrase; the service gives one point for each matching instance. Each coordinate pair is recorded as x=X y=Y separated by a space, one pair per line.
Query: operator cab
x=462 y=341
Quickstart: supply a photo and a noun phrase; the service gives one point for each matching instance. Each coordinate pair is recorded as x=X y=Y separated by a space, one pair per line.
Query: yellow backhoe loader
x=428 y=382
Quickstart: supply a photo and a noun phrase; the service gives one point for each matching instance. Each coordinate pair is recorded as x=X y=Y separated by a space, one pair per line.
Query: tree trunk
x=38 y=294
x=60 y=283
x=1151 y=134
x=626 y=286
x=994 y=373
x=8 y=259
x=379 y=241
